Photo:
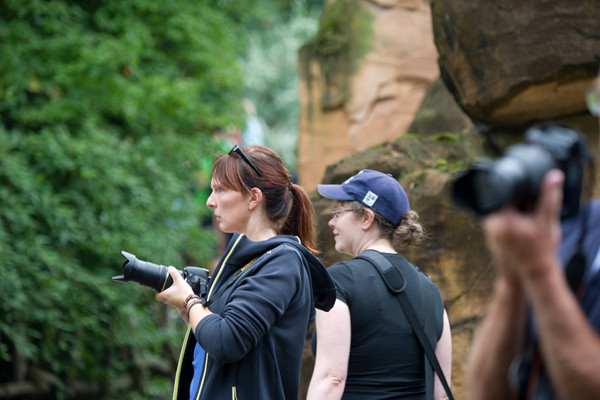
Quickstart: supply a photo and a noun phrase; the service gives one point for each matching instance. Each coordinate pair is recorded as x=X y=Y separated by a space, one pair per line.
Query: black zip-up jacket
x=254 y=341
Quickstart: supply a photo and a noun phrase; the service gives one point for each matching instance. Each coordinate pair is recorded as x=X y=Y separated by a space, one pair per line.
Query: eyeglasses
x=591 y=98
x=336 y=213
x=237 y=149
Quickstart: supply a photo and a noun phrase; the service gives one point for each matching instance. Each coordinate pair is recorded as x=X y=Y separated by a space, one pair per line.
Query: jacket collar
x=240 y=250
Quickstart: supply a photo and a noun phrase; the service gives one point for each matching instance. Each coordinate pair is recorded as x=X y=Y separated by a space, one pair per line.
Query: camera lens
x=515 y=179
x=145 y=273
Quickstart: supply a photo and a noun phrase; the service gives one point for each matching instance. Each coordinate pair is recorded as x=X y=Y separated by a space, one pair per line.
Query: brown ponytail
x=301 y=219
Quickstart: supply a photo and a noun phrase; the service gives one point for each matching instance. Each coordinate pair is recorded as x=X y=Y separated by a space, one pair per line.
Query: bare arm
x=443 y=352
x=333 y=351
x=529 y=245
x=569 y=344
x=496 y=344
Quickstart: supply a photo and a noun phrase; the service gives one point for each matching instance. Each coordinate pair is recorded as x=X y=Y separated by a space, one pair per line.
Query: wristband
x=191 y=304
x=187 y=299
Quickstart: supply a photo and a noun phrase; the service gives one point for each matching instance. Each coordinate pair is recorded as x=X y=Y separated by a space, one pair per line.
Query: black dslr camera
x=157 y=276
x=516 y=177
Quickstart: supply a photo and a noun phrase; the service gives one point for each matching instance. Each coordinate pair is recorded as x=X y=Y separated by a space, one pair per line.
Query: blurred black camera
x=157 y=276
x=516 y=177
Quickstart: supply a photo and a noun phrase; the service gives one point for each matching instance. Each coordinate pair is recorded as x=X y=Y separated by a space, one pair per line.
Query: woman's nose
x=210 y=203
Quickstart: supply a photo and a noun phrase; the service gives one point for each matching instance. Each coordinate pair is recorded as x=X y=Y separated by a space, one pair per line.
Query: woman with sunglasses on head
x=365 y=345
x=246 y=338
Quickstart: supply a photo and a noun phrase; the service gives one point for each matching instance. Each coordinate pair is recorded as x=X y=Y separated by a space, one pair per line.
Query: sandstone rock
x=513 y=62
x=439 y=113
x=362 y=79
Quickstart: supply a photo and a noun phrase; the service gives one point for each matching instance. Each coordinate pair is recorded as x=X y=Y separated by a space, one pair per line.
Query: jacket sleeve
x=257 y=302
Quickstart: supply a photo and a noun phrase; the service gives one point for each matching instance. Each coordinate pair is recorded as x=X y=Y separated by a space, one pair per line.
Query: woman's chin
x=223 y=228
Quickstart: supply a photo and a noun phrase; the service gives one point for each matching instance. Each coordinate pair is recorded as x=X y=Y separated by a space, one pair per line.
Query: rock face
x=362 y=79
x=513 y=62
x=493 y=85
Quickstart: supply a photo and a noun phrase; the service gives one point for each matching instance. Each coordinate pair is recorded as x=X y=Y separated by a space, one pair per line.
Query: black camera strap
x=575 y=269
x=396 y=282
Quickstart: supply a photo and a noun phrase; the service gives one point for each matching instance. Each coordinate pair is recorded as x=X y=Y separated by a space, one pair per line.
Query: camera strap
x=396 y=282
x=228 y=283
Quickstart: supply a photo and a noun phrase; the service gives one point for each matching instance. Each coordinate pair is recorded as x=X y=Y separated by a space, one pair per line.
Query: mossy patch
x=345 y=36
x=445 y=137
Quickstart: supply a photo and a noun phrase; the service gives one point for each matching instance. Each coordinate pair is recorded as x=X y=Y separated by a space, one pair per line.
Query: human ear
x=367 y=218
x=255 y=199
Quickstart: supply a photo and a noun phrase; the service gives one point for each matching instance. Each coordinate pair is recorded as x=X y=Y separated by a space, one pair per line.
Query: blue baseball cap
x=376 y=190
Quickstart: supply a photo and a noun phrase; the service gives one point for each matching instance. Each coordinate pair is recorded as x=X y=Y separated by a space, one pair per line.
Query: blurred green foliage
x=108 y=111
x=107 y=116
x=270 y=73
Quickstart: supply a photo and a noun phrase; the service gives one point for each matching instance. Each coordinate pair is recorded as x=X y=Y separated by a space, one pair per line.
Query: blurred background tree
x=270 y=73
x=108 y=115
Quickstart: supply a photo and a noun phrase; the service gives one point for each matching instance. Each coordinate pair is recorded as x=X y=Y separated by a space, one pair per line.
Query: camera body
x=516 y=177
x=157 y=277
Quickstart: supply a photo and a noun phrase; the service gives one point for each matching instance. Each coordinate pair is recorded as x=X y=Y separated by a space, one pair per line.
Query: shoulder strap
x=430 y=331
x=395 y=281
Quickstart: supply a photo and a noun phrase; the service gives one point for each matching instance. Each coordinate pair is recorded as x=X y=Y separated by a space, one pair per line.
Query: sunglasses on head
x=237 y=149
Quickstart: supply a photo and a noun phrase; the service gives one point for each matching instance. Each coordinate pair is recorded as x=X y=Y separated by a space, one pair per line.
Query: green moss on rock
x=345 y=36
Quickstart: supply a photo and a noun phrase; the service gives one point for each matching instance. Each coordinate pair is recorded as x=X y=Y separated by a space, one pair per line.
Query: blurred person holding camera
x=540 y=337
x=366 y=346
x=246 y=337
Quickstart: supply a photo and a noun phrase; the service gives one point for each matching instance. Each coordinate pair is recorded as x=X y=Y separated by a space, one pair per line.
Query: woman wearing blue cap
x=365 y=345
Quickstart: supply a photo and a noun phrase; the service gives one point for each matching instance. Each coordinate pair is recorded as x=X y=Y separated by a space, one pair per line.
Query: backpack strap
x=429 y=291
x=396 y=282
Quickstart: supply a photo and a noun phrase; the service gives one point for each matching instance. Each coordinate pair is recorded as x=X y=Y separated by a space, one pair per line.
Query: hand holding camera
x=516 y=178
x=525 y=244
x=158 y=278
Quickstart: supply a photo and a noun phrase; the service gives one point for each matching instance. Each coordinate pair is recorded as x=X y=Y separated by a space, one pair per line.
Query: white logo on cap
x=352 y=177
x=370 y=198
